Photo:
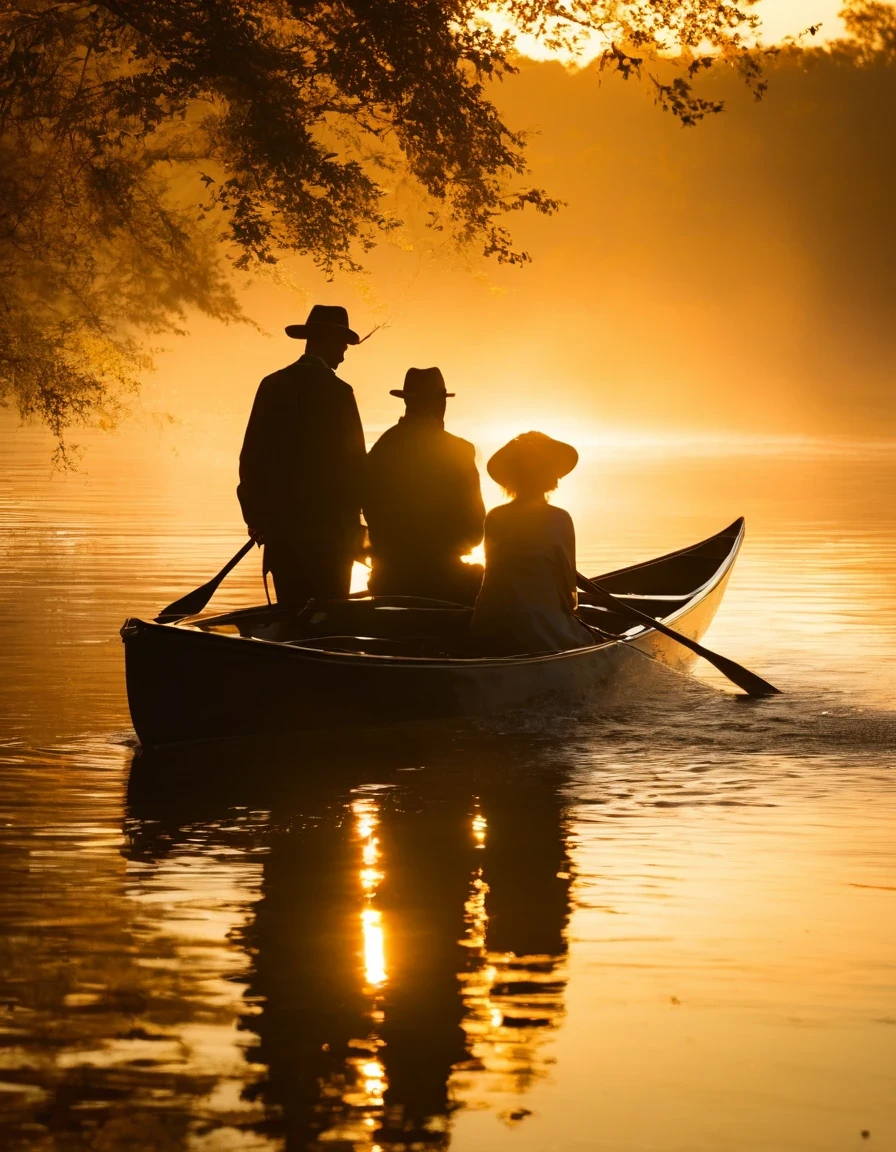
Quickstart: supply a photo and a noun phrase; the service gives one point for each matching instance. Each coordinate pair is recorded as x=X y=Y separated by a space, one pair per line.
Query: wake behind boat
x=387 y=659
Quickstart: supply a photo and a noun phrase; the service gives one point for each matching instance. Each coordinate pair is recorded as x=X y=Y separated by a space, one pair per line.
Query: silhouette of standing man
x=301 y=464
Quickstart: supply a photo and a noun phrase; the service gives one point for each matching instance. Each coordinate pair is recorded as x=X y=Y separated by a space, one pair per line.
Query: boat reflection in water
x=407 y=954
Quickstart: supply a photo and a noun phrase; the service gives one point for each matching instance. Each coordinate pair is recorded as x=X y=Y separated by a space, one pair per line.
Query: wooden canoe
x=382 y=660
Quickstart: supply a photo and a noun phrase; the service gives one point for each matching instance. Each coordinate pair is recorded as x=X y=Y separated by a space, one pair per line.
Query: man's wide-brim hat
x=422 y=382
x=324 y=320
x=532 y=451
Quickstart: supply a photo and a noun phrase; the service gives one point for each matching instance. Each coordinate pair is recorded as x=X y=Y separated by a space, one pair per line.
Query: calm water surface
x=665 y=925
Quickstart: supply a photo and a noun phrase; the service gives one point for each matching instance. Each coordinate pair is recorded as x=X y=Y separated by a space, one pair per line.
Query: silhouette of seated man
x=422 y=500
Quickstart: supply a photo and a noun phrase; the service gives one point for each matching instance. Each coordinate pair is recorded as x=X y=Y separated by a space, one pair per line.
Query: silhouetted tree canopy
x=871 y=25
x=141 y=139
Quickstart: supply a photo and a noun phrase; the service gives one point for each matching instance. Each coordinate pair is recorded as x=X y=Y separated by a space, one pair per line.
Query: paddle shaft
x=752 y=684
x=196 y=600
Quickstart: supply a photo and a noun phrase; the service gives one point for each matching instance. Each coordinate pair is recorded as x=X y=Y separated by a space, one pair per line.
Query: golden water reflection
x=448 y=996
x=383 y=966
x=222 y=984
x=365 y=812
x=512 y=996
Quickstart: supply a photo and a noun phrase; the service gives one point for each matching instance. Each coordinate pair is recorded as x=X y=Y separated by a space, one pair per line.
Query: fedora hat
x=531 y=450
x=324 y=320
x=422 y=382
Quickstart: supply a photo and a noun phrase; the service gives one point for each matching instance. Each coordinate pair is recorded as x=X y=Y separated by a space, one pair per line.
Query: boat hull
x=185 y=684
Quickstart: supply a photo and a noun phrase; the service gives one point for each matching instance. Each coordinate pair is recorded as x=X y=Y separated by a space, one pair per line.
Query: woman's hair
x=531 y=476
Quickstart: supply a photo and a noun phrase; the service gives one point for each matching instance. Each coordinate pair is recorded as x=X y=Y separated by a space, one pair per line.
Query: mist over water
x=667 y=922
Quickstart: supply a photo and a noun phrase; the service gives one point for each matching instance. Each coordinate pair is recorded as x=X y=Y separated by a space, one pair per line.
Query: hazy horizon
x=731 y=278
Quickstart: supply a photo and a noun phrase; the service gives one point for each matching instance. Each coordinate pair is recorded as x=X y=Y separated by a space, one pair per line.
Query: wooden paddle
x=195 y=601
x=752 y=684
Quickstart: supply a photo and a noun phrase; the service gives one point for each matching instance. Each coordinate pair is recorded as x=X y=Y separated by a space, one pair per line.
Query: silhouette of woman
x=528 y=596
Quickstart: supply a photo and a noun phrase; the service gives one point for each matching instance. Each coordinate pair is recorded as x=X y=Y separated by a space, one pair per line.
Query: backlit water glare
x=664 y=924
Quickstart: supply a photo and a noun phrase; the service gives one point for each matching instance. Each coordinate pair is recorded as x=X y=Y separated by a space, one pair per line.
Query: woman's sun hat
x=531 y=454
x=422 y=382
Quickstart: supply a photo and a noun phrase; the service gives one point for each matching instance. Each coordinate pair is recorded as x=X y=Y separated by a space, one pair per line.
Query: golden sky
x=780 y=18
x=731 y=279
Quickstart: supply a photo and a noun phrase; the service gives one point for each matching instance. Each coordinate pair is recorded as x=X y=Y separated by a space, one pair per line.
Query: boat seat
x=371 y=645
x=368 y=618
x=613 y=623
x=425 y=647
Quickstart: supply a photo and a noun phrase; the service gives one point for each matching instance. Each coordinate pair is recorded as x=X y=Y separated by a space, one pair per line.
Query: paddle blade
x=752 y=684
x=195 y=601
x=189 y=605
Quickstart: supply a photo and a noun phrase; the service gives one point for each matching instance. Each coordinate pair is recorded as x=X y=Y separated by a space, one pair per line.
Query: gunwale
x=633 y=634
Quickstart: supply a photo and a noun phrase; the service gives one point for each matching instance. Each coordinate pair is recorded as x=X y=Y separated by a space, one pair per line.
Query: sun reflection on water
x=480 y=827
x=370 y=876
x=374 y=952
x=361 y=1084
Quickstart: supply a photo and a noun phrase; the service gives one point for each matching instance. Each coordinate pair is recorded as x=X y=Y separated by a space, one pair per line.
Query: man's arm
x=252 y=490
x=352 y=454
x=567 y=561
x=471 y=509
x=353 y=441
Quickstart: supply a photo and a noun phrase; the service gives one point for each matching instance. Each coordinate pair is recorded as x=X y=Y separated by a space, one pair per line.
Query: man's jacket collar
x=429 y=422
x=307 y=358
